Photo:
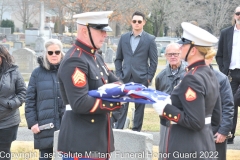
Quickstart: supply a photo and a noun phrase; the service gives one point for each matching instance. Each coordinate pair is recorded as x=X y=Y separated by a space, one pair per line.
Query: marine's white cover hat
x=193 y=34
x=97 y=20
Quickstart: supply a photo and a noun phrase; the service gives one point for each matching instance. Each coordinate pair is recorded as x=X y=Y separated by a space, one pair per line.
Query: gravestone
x=17 y=45
x=65 y=49
x=26 y=60
x=67 y=40
x=13 y=37
x=104 y=47
x=7 y=46
x=39 y=45
x=31 y=36
x=109 y=55
x=129 y=145
x=54 y=36
x=115 y=41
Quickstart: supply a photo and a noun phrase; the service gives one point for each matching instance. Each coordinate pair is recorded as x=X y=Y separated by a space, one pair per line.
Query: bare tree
x=218 y=14
x=25 y=10
x=161 y=10
x=211 y=15
x=122 y=9
x=5 y=5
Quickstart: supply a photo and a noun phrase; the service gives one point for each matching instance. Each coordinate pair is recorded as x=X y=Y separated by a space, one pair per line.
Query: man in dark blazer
x=228 y=59
x=136 y=61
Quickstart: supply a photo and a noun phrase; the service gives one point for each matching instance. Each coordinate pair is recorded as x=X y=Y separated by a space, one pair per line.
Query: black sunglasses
x=237 y=13
x=51 y=52
x=172 y=54
x=135 y=21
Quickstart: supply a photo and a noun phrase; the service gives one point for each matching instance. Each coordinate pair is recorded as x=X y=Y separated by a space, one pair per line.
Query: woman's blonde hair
x=208 y=52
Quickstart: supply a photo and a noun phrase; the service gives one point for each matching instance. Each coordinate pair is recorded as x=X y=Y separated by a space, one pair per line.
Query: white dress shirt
x=235 y=59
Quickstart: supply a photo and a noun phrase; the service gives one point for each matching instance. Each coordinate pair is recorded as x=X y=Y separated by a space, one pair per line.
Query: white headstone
x=26 y=60
x=129 y=145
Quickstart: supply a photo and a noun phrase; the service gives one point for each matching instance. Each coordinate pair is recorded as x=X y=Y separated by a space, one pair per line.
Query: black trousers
x=235 y=82
x=138 y=116
x=221 y=148
x=7 y=135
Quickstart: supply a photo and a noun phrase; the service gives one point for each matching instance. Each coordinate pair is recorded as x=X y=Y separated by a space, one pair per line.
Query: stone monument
x=26 y=60
x=129 y=145
x=109 y=55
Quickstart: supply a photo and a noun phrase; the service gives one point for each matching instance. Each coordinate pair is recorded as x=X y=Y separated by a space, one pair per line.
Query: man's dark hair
x=137 y=13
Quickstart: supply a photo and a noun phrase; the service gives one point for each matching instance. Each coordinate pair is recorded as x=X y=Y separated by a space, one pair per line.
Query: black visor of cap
x=184 y=41
x=98 y=26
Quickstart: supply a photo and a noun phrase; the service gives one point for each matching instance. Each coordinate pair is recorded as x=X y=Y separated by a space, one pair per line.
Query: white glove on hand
x=161 y=104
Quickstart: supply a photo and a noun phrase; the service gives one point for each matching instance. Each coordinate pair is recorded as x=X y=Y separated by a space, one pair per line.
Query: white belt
x=68 y=107
x=207 y=121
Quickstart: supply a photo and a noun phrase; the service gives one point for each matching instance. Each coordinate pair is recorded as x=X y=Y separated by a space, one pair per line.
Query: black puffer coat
x=44 y=104
x=12 y=95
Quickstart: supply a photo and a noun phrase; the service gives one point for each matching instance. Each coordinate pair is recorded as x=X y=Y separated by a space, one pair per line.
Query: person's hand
x=35 y=129
x=161 y=104
x=220 y=138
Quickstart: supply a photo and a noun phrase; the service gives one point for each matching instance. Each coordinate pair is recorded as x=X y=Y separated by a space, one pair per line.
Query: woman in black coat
x=43 y=101
x=12 y=95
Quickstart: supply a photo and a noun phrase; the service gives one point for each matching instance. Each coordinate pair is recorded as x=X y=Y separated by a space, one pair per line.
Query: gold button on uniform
x=117 y=103
x=92 y=120
x=164 y=113
x=175 y=117
x=97 y=65
x=97 y=77
x=170 y=115
x=106 y=81
x=103 y=105
x=78 y=49
x=111 y=104
x=101 y=73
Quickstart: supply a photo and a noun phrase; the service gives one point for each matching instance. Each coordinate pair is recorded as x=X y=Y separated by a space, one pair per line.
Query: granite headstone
x=26 y=60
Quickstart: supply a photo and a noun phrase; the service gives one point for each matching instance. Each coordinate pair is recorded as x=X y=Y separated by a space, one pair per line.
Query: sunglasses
x=135 y=21
x=51 y=52
x=237 y=13
x=172 y=54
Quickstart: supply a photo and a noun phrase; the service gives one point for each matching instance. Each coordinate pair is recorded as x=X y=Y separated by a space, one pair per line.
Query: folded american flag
x=129 y=92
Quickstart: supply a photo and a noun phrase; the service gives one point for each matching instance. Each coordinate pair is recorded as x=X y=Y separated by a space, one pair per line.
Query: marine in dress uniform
x=85 y=130
x=191 y=105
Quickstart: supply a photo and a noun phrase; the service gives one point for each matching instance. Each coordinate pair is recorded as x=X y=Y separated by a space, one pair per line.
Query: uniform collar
x=198 y=63
x=84 y=46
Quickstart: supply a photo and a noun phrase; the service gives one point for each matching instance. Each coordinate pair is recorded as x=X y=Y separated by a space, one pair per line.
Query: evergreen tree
x=8 y=24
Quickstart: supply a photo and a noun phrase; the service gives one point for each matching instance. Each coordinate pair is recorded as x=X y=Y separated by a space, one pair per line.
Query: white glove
x=161 y=104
